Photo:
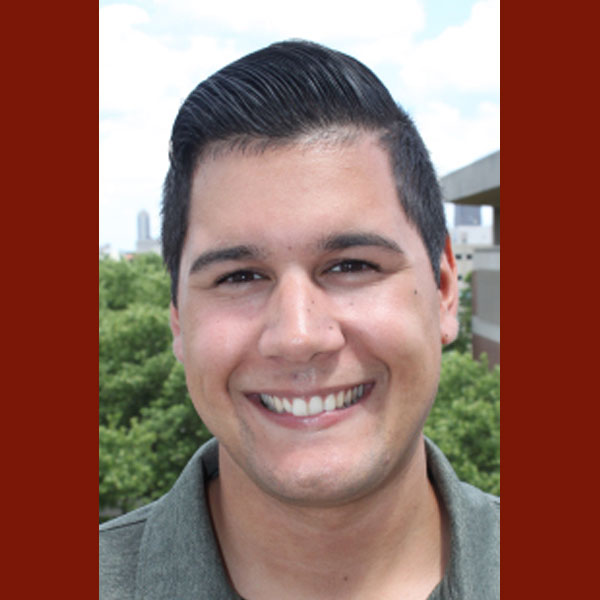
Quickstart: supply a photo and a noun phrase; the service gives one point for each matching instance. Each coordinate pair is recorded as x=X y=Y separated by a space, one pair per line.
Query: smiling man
x=313 y=286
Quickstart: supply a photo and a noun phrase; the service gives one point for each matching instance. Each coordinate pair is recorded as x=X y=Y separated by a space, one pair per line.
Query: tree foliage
x=149 y=428
x=462 y=343
x=465 y=419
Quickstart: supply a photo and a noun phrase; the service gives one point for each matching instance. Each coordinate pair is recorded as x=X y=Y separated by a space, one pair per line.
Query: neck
x=392 y=538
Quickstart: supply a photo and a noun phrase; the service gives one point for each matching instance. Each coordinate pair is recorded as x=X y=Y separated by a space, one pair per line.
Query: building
x=108 y=251
x=143 y=226
x=144 y=242
x=478 y=184
x=465 y=214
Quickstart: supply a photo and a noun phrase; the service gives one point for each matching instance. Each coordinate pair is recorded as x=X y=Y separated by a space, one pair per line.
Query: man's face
x=303 y=287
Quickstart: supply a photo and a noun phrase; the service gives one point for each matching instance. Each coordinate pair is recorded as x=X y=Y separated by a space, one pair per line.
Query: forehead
x=296 y=183
x=288 y=203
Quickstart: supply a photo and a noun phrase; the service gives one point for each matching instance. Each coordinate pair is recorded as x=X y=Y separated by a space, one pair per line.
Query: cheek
x=213 y=348
x=400 y=327
x=391 y=313
x=212 y=353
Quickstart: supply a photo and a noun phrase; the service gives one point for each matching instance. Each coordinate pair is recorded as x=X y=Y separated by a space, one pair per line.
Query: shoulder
x=479 y=499
x=120 y=541
x=479 y=515
x=137 y=549
x=121 y=532
x=473 y=571
x=458 y=494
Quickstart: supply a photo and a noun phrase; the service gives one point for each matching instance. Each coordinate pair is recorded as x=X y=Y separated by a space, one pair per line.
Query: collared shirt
x=167 y=550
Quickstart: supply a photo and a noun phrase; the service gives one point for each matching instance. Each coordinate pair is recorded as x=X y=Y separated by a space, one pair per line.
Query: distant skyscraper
x=465 y=214
x=143 y=226
x=145 y=243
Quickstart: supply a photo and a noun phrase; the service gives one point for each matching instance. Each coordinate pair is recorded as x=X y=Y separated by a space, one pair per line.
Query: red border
x=49 y=441
x=548 y=309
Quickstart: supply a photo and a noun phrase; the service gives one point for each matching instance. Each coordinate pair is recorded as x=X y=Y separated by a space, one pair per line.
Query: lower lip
x=323 y=420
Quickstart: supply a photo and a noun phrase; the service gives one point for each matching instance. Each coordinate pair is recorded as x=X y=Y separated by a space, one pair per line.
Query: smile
x=314 y=405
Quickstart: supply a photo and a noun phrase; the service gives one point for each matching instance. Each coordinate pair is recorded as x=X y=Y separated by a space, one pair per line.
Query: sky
x=439 y=59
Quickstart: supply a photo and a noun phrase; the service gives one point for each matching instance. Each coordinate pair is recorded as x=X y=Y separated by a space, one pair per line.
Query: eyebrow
x=330 y=243
x=242 y=252
x=350 y=240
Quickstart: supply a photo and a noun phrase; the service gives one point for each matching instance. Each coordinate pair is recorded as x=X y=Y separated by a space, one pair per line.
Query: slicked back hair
x=278 y=95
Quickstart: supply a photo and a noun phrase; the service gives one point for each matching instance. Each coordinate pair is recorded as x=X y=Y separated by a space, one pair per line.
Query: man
x=313 y=286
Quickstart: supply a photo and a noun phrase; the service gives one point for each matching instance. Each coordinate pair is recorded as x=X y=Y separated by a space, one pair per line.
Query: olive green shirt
x=168 y=550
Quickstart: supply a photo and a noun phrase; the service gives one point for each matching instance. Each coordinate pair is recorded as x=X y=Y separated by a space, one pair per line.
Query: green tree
x=465 y=419
x=140 y=280
x=135 y=358
x=148 y=426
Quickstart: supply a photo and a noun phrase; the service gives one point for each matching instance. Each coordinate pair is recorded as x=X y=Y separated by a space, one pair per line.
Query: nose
x=299 y=322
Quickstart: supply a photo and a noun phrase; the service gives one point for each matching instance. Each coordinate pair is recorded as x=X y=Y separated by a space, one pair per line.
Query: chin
x=320 y=483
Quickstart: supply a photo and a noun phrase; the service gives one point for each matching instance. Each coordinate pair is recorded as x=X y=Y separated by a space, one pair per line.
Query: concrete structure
x=464 y=255
x=479 y=184
x=145 y=243
x=476 y=184
x=472 y=235
x=143 y=226
x=485 y=285
x=145 y=246
x=465 y=214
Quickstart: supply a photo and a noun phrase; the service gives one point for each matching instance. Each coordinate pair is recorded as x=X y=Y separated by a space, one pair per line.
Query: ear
x=176 y=331
x=448 y=290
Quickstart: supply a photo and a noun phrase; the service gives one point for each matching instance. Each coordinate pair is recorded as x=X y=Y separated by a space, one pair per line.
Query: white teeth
x=299 y=407
x=315 y=406
x=278 y=404
x=329 y=403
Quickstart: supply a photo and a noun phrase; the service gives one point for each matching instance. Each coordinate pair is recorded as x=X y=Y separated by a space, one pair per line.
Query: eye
x=353 y=266
x=238 y=277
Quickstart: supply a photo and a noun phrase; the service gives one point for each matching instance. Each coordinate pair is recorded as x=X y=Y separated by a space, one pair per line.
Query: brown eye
x=239 y=277
x=353 y=266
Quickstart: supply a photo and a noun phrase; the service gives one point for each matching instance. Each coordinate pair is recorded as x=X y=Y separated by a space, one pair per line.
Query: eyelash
x=350 y=266
x=344 y=266
x=238 y=277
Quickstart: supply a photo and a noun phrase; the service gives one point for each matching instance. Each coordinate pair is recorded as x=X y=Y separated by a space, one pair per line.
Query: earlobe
x=448 y=295
x=176 y=331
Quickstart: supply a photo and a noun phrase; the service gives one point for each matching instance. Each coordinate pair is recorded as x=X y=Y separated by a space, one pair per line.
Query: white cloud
x=137 y=68
x=313 y=19
x=144 y=77
x=143 y=81
x=465 y=58
x=455 y=139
